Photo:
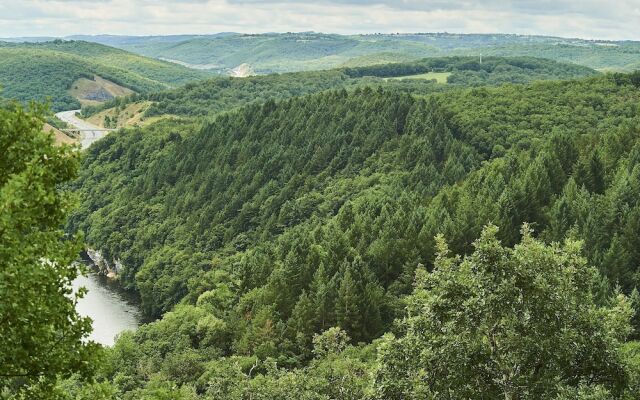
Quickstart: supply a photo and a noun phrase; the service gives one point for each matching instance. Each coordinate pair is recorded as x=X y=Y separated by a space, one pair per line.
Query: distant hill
x=289 y=52
x=223 y=93
x=35 y=71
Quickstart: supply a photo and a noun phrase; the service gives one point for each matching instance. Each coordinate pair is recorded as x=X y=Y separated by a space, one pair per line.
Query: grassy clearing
x=61 y=137
x=377 y=59
x=131 y=115
x=440 y=77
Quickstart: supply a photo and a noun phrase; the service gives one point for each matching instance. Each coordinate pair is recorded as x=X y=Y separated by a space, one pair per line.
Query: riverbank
x=111 y=308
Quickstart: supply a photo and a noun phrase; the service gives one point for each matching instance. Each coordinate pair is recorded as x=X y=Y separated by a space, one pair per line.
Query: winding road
x=89 y=132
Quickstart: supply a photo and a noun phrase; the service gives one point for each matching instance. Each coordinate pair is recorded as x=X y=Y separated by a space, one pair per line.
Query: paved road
x=88 y=136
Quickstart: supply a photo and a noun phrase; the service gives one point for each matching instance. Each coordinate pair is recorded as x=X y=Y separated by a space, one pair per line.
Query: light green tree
x=332 y=341
x=42 y=335
x=511 y=323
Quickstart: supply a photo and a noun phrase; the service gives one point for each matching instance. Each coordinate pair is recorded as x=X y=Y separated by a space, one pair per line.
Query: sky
x=589 y=19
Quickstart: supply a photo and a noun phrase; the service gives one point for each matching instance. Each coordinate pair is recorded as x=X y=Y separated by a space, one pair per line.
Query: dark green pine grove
x=279 y=242
x=331 y=170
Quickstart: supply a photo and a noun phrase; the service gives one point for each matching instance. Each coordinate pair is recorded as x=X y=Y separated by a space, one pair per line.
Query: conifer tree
x=348 y=304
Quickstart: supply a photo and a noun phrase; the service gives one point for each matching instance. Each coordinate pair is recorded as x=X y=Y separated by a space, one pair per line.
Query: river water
x=112 y=309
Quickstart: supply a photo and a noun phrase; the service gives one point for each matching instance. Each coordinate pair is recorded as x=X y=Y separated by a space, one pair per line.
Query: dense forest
x=304 y=247
x=477 y=71
x=461 y=227
x=219 y=94
x=48 y=70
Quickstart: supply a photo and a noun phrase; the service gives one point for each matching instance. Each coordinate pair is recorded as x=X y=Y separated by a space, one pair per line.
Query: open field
x=440 y=77
x=131 y=115
x=61 y=137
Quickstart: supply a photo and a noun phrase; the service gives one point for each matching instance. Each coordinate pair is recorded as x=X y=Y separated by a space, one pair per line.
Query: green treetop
x=512 y=323
x=42 y=336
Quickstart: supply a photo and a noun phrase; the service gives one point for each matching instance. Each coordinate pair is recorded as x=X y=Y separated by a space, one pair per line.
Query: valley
x=320 y=216
x=275 y=222
x=88 y=132
x=289 y=52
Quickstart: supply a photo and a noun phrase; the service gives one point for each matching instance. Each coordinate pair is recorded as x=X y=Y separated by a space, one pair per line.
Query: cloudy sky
x=610 y=19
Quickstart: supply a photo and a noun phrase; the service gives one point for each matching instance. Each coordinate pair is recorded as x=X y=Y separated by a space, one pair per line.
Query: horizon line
x=398 y=33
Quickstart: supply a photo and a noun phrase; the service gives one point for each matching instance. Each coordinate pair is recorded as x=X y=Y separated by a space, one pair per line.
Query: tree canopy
x=512 y=323
x=43 y=337
x=270 y=224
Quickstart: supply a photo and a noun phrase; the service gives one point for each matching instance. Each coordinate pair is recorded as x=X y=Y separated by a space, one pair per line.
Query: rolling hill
x=35 y=71
x=221 y=94
x=288 y=52
x=270 y=224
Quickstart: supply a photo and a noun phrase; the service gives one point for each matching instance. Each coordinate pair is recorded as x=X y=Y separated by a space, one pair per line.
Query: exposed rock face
x=99 y=95
x=103 y=265
x=242 y=71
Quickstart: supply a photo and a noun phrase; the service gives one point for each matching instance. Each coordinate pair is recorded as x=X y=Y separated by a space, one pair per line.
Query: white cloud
x=575 y=18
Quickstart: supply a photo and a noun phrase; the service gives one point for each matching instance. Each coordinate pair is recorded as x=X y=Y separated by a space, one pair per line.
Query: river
x=112 y=309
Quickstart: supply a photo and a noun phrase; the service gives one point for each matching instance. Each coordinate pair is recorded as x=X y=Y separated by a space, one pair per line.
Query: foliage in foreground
x=513 y=323
x=506 y=323
x=41 y=332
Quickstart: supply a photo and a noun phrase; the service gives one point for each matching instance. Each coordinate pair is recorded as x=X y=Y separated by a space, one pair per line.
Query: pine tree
x=302 y=317
x=348 y=305
x=322 y=297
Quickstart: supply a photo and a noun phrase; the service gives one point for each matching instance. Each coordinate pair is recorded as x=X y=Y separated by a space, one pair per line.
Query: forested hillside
x=255 y=233
x=157 y=70
x=288 y=52
x=219 y=94
x=37 y=71
x=478 y=71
